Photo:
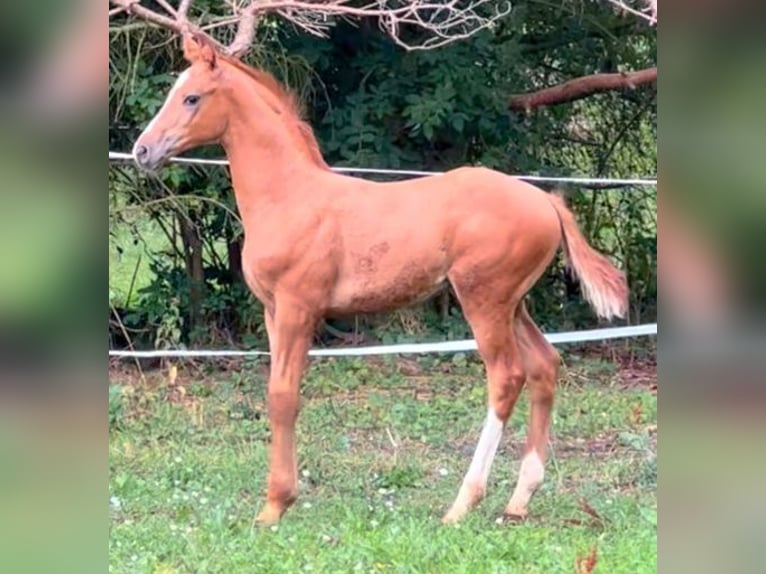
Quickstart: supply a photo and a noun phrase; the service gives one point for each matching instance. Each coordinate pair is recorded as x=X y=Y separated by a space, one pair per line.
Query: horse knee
x=504 y=390
x=542 y=375
x=552 y=363
x=548 y=372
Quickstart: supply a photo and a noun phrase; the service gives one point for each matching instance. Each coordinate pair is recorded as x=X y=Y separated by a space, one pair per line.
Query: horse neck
x=266 y=155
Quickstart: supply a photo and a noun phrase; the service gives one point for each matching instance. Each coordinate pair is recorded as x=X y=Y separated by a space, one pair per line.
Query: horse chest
x=262 y=270
x=299 y=270
x=256 y=283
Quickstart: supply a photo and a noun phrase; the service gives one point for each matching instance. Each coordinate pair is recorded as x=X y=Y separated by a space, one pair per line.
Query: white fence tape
x=414 y=348
x=121 y=156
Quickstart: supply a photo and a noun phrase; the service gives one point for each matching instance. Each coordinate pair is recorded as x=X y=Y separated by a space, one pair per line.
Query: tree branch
x=648 y=13
x=134 y=7
x=579 y=88
x=243 y=39
x=444 y=21
x=183 y=9
x=174 y=25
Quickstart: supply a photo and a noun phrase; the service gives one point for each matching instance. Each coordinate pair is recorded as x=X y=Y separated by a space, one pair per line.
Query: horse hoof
x=453 y=516
x=269 y=516
x=514 y=515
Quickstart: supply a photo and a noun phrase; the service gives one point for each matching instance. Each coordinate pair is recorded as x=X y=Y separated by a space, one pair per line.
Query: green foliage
x=375 y=105
x=390 y=108
x=399 y=477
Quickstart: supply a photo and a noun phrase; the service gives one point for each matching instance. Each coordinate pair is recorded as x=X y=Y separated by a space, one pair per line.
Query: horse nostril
x=141 y=151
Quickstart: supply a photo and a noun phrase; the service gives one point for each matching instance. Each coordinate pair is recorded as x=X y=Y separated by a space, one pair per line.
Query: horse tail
x=604 y=286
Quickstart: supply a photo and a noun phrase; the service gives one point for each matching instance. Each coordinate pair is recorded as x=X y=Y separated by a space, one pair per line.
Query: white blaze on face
x=182 y=79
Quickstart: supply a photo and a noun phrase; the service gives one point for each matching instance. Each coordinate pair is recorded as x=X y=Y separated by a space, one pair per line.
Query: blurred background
x=53 y=229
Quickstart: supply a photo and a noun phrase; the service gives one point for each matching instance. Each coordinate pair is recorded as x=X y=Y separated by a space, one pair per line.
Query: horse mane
x=290 y=103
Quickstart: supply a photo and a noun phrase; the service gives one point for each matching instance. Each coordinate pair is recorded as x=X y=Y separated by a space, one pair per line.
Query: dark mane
x=290 y=103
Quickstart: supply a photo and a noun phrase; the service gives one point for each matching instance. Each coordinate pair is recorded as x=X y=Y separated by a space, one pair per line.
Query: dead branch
x=649 y=12
x=134 y=7
x=579 y=88
x=443 y=21
x=178 y=23
x=243 y=39
x=183 y=9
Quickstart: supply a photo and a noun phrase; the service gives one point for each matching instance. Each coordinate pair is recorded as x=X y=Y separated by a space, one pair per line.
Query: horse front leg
x=290 y=329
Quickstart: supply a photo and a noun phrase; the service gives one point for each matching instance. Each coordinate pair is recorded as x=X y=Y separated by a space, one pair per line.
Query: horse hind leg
x=541 y=363
x=498 y=349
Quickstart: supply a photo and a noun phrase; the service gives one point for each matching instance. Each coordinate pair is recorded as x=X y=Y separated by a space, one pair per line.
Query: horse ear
x=207 y=51
x=190 y=47
x=197 y=46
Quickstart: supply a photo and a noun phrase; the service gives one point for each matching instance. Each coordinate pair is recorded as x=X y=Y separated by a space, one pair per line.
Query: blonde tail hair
x=604 y=286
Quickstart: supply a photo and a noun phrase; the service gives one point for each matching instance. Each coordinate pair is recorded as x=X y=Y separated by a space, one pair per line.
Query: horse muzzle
x=151 y=157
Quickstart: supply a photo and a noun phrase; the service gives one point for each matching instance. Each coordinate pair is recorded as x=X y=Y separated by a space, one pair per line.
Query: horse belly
x=386 y=288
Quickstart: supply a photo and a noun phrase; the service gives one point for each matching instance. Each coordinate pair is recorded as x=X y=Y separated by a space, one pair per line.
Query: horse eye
x=192 y=100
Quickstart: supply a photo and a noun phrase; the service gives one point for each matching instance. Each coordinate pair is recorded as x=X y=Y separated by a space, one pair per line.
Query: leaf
x=590 y=511
x=458 y=123
x=586 y=564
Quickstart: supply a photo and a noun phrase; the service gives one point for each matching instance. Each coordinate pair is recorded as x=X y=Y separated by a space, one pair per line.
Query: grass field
x=383 y=447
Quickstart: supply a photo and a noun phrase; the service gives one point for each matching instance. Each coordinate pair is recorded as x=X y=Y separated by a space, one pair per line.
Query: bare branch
x=183 y=9
x=443 y=21
x=222 y=23
x=135 y=7
x=243 y=39
x=581 y=88
x=649 y=12
x=175 y=25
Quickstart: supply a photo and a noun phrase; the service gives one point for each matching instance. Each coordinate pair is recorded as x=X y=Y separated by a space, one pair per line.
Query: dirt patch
x=602 y=446
x=635 y=367
x=640 y=374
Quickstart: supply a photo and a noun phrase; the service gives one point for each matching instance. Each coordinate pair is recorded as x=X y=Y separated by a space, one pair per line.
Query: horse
x=319 y=244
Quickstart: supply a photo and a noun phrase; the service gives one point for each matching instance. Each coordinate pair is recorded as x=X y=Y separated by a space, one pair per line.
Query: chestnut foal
x=320 y=244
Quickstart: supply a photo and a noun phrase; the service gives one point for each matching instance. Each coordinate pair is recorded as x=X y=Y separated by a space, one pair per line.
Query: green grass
x=381 y=457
